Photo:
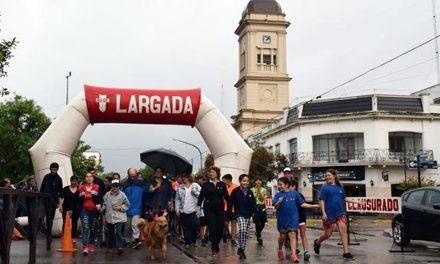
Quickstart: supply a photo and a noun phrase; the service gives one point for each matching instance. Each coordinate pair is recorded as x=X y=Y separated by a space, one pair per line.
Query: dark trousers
x=74 y=217
x=260 y=219
x=215 y=220
x=190 y=225
x=115 y=235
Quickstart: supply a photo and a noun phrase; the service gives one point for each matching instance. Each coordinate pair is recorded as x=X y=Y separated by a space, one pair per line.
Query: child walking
x=242 y=201
x=115 y=206
x=302 y=219
x=287 y=202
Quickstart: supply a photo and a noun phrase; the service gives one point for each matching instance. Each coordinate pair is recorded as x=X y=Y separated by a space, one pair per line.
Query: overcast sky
x=191 y=43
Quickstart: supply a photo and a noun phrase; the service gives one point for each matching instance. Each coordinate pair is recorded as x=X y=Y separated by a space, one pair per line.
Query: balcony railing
x=363 y=156
x=267 y=67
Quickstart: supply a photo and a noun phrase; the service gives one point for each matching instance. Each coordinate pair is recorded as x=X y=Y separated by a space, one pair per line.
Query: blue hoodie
x=134 y=191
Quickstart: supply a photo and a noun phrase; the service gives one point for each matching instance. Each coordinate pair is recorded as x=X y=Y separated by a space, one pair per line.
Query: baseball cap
x=115 y=182
x=286 y=169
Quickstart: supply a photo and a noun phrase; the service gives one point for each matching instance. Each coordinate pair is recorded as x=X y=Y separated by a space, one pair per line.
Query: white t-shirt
x=188 y=204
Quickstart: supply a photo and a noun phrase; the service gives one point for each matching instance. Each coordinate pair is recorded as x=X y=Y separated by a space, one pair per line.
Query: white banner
x=383 y=205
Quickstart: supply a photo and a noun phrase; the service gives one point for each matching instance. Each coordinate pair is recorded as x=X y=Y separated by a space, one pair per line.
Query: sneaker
x=306 y=256
x=241 y=254
x=136 y=244
x=316 y=247
x=187 y=246
x=294 y=258
x=280 y=254
x=91 y=248
x=297 y=251
x=260 y=241
x=85 y=250
x=120 y=251
x=214 y=253
x=225 y=238
x=233 y=243
x=348 y=256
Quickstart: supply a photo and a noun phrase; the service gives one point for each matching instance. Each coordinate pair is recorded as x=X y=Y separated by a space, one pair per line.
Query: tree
x=80 y=164
x=22 y=122
x=146 y=172
x=209 y=162
x=6 y=47
x=262 y=164
x=413 y=183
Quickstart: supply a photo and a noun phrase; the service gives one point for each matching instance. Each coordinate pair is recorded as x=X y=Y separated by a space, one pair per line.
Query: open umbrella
x=169 y=160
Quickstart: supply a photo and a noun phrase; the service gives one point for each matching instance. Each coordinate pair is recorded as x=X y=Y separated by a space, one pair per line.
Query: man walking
x=52 y=184
x=134 y=190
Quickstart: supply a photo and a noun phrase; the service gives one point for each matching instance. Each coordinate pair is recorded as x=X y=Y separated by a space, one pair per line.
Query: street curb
x=179 y=247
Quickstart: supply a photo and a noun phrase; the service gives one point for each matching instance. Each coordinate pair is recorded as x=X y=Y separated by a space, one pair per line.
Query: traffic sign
x=430 y=164
x=412 y=164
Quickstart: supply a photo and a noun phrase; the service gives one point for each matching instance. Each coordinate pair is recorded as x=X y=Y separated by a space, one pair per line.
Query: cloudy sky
x=191 y=43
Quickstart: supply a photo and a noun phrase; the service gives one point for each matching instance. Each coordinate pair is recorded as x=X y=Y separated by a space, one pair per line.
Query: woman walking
x=69 y=199
x=242 y=200
x=187 y=195
x=260 y=218
x=213 y=195
x=287 y=202
x=332 y=202
x=90 y=202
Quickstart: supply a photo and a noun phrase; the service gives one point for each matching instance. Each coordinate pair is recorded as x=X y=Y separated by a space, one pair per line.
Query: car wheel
x=399 y=236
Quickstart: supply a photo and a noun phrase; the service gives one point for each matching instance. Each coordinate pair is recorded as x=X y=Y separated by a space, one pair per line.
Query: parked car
x=420 y=217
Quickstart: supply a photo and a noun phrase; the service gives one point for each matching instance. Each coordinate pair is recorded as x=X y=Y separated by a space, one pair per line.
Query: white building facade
x=368 y=139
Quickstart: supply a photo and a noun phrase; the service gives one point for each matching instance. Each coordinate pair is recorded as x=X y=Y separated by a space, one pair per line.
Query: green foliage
x=209 y=162
x=265 y=164
x=146 y=172
x=80 y=164
x=22 y=122
x=413 y=183
x=6 y=47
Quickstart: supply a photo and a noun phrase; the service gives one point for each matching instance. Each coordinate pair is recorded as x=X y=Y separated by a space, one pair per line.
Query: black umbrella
x=169 y=160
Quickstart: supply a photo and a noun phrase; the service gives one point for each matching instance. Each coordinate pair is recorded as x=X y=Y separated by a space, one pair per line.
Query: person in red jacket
x=90 y=203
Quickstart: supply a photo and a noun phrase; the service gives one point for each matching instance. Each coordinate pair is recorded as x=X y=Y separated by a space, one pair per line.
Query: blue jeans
x=115 y=235
x=88 y=222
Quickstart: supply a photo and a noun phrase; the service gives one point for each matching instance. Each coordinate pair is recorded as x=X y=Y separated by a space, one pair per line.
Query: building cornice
x=261 y=78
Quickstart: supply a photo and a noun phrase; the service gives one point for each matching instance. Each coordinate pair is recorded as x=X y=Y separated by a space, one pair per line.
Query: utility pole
x=200 y=152
x=434 y=22
x=67 y=87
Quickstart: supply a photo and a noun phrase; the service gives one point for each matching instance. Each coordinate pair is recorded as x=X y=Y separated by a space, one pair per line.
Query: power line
x=374 y=68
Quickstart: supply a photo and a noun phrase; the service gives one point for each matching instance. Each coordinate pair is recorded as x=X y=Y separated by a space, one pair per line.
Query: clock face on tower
x=267 y=39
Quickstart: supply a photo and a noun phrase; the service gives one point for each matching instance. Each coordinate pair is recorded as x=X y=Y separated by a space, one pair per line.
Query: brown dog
x=155 y=234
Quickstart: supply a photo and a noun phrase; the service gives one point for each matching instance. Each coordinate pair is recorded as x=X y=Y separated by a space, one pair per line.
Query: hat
x=115 y=182
x=287 y=169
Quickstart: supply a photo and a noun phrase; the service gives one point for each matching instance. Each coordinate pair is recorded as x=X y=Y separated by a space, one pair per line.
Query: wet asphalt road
x=373 y=248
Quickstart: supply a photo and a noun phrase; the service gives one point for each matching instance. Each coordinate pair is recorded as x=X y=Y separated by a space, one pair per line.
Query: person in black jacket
x=53 y=185
x=69 y=199
x=243 y=202
x=213 y=196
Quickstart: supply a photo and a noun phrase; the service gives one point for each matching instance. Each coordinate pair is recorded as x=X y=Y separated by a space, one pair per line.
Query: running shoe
x=306 y=256
x=280 y=254
x=348 y=256
x=294 y=258
x=85 y=250
x=316 y=247
x=233 y=243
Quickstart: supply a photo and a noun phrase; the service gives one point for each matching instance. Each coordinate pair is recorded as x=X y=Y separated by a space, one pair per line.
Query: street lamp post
x=200 y=153
x=67 y=87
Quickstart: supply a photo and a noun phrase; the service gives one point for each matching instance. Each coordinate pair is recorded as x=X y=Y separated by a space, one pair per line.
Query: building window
x=258 y=58
x=270 y=149
x=338 y=147
x=437 y=100
x=277 y=149
x=402 y=145
x=274 y=59
x=293 y=148
x=266 y=59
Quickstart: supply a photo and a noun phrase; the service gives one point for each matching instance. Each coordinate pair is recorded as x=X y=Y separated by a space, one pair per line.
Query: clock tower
x=263 y=84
